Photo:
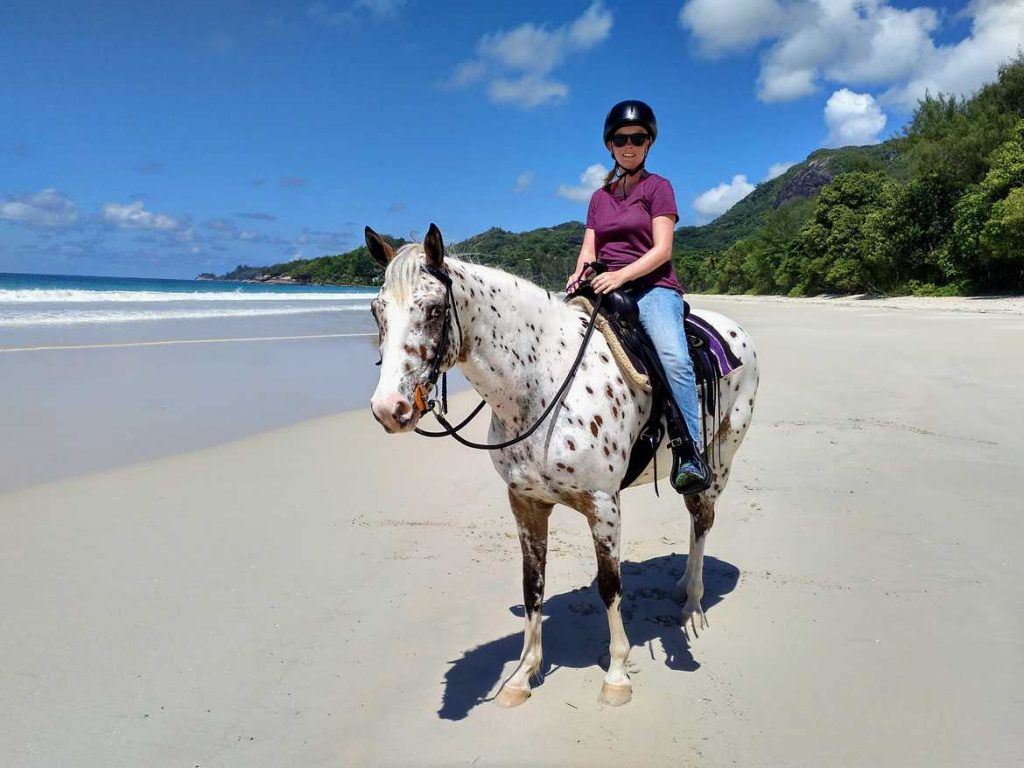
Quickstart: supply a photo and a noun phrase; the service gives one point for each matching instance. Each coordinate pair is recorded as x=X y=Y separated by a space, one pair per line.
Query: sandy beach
x=324 y=594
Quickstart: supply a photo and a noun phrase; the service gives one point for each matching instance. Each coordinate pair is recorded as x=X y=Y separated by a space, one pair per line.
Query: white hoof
x=509 y=697
x=616 y=695
x=694 y=619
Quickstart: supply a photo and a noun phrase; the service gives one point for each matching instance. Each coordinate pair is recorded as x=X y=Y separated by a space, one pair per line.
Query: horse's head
x=411 y=311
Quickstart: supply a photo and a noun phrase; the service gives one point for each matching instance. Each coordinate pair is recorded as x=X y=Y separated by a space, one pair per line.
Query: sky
x=168 y=139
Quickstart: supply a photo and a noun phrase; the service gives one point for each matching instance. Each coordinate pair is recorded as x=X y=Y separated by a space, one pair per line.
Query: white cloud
x=134 y=216
x=847 y=41
x=777 y=169
x=590 y=180
x=523 y=182
x=467 y=73
x=858 y=43
x=383 y=8
x=590 y=28
x=717 y=200
x=853 y=118
x=328 y=15
x=519 y=62
x=733 y=25
x=997 y=34
x=48 y=208
x=526 y=91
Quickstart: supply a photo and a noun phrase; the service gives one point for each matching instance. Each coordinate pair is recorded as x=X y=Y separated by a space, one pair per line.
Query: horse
x=515 y=343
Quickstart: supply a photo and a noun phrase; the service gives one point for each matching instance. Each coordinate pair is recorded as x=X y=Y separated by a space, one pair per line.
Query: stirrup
x=696 y=483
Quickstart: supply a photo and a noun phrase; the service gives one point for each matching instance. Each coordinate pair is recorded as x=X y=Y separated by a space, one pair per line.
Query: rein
x=421 y=392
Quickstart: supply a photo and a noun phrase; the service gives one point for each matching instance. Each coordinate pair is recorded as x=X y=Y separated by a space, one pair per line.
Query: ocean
x=100 y=372
x=65 y=300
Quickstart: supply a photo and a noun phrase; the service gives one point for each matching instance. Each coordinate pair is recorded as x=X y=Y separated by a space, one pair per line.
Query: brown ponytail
x=611 y=174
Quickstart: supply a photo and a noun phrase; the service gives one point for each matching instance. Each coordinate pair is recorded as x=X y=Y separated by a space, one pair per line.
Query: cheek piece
x=421 y=392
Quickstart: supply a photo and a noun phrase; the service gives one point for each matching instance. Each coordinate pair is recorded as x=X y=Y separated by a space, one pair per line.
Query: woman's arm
x=587 y=255
x=661 y=229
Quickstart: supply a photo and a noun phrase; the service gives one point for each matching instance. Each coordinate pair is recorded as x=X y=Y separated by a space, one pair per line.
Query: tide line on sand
x=169 y=342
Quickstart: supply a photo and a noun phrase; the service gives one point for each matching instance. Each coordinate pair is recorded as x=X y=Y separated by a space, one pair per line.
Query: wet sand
x=325 y=594
x=87 y=398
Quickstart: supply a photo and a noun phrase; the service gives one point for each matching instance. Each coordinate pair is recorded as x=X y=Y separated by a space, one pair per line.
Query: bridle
x=421 y=392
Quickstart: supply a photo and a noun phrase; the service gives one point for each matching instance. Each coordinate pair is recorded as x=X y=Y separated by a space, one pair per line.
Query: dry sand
x=327 y=595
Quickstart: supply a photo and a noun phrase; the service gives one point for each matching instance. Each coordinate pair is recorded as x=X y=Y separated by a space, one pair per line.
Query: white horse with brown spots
x=516 y=346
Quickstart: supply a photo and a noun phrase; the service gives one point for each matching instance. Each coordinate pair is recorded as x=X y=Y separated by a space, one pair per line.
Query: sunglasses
x=636 y=139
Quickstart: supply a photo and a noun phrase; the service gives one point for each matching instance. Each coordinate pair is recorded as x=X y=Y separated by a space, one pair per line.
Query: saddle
x=712 y=359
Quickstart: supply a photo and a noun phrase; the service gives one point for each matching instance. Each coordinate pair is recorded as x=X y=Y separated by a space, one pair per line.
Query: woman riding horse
x=629 y=229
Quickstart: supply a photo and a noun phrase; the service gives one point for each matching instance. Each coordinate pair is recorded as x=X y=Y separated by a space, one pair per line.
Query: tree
x=831 y=252
x=987 y=251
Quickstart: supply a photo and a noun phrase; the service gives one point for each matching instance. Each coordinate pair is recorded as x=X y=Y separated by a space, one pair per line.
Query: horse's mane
x=404 y=272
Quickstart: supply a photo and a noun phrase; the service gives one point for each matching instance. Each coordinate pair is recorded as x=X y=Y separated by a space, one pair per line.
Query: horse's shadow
x=576 y=629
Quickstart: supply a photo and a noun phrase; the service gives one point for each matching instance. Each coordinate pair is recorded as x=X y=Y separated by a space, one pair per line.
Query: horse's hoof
x=616 y=695
x=509 y=697
x=693 y=615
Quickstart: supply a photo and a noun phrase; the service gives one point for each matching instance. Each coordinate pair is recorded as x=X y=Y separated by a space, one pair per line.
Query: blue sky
x=165 y=141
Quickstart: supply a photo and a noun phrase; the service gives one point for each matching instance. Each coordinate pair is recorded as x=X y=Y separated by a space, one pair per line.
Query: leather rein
x=421 y=392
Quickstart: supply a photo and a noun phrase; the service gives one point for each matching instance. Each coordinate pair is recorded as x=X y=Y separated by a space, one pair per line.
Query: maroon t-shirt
x=623 y=227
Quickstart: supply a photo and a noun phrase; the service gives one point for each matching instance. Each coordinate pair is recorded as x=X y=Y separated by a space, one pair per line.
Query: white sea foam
x=75 y=296
x=102 y=316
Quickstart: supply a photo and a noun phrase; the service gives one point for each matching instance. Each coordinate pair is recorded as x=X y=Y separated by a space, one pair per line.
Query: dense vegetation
x=938 y=210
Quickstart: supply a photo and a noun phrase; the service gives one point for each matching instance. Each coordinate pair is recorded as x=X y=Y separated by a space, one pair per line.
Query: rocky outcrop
x=806 y=181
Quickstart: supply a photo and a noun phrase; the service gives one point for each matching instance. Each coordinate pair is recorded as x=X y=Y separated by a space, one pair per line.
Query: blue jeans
x=661 y=314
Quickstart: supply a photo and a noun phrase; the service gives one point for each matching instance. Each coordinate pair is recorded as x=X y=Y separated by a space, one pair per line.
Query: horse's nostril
x=402 y=412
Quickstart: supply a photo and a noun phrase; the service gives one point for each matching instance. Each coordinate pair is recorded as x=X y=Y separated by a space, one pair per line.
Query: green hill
x=939 y=209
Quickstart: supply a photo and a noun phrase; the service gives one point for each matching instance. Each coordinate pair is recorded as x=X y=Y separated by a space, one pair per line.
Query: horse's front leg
x=605 y=528
x=532 y=520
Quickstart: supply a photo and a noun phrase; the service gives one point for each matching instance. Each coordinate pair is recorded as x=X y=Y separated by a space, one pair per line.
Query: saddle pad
x=625 y=363
x=722 y=356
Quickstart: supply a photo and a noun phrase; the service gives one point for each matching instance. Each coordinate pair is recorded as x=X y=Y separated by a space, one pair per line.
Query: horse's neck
x=517 y=337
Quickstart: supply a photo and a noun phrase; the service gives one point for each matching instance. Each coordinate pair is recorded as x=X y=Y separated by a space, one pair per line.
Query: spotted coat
x=516 y=347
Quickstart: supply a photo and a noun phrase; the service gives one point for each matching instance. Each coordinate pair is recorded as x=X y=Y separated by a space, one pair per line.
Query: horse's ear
x=382 y=252
x=434 y=246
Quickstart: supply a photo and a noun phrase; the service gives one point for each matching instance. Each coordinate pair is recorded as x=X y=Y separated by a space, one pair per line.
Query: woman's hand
x=576 y=277
x=609 y=281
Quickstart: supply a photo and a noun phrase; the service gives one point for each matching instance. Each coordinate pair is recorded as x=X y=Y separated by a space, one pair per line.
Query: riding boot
x=690 y=472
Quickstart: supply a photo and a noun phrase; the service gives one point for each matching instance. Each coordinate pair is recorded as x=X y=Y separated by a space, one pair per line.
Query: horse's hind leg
x=605 y=529
x=702 y=517
x=702 y=506
x=532 y=520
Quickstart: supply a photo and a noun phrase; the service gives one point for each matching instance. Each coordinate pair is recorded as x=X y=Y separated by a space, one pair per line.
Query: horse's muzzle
x=395 y=413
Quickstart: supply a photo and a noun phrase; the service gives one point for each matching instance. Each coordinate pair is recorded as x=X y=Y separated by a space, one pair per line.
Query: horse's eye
x=434 y=312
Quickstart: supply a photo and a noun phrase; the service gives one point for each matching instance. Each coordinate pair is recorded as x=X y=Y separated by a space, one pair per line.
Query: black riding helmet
x=630 y=112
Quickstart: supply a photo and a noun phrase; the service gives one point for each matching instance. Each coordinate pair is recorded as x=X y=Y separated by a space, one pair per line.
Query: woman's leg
x=661 y=314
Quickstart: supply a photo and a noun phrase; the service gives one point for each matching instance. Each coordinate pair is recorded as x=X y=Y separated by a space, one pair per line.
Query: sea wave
x=102 y=316
x=75 y=296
